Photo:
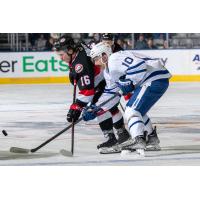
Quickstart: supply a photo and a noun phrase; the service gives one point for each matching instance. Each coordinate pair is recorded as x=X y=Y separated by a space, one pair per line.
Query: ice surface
x=33 y=113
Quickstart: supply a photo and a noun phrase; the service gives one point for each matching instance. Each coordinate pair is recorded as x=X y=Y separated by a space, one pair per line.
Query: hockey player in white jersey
x=144 y=79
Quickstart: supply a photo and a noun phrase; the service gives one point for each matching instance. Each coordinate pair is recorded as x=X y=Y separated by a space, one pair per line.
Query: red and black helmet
x=64 y=43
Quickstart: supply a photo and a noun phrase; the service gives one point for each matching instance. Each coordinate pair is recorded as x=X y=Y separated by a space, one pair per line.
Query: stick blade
x=19 y=150
x=66 y=153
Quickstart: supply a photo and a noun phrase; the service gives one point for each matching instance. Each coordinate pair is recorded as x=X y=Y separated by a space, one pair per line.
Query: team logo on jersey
x=62 y=40
x=78 y=68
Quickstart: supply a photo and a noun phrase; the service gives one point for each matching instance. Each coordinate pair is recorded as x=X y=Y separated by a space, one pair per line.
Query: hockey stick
x=63 y=151
x=23 y=150
x=70 y=153
x=121 y=106
x=72 y=136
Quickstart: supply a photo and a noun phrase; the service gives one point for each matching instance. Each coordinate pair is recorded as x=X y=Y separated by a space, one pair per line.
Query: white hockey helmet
x=100 y=48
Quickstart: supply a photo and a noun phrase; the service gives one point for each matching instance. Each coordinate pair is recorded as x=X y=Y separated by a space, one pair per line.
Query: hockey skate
x=138 y=145
x=110 y=142
x=123 y=137
x=153 y=141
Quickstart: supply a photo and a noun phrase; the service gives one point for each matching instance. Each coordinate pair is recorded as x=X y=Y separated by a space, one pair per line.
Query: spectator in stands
x=41 y=43
x=121 y=43
x=49 y=44
x=95 y=38
x=32 y=39
x=150 y=44
x=165 y=44
x=76 y=36
x=141 y=42
x=129 y=44
x=109 y=39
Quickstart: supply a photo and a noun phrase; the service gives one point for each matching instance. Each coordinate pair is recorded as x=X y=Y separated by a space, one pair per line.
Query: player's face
x=64 y=56
x=101 y=60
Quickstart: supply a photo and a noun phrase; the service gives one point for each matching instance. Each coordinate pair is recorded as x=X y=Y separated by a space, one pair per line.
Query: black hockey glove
x=74 y=112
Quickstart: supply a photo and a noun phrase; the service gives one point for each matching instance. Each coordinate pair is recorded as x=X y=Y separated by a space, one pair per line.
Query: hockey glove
x=125 y=85
x=74 y=112
x=90 y=113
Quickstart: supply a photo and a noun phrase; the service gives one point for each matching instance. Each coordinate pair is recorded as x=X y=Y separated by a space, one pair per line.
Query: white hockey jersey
x=140 y=69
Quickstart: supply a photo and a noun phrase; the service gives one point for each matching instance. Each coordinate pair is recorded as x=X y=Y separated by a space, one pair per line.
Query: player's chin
x=102 y=65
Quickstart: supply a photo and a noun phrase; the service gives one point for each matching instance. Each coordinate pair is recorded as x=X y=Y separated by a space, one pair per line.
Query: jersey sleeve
x=110 y=90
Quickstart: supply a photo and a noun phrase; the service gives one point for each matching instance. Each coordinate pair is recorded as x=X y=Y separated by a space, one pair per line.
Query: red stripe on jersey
x=87 y=92
x=101 y=112
x=115 y=112
x=97 y=70
x=127 y=97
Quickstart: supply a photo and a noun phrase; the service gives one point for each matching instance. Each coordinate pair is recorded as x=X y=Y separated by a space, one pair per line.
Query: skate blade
x=138 y=153
x=109 y=151
x=153 y=148
x=125 y=153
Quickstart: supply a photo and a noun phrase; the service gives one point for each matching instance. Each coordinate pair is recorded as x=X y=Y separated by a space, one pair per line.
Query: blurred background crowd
x=44 y=41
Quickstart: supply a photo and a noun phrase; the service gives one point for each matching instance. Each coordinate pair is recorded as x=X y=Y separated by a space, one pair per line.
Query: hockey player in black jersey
x=91 y=84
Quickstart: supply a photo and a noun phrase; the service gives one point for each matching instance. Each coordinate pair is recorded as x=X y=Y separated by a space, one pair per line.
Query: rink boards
x=46 y=67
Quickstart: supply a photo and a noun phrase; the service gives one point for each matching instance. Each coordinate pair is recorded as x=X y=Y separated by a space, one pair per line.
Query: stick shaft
x=70 y=126
x=73 y=125
x=121 y=106
x=55 y=136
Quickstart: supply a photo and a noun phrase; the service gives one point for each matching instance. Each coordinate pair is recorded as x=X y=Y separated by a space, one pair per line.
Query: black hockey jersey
x=87 y=75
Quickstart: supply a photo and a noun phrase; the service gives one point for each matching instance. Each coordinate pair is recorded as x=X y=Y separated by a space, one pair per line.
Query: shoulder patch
x=78 y=68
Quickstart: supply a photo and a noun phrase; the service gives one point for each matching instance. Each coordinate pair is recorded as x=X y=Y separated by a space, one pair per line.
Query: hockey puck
x=5 y=133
